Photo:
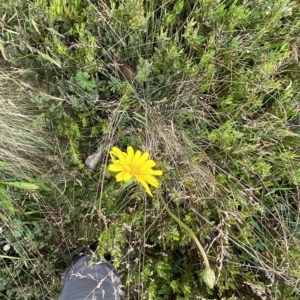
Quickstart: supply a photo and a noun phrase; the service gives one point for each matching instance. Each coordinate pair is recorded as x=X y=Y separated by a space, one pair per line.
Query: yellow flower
x=134 y=165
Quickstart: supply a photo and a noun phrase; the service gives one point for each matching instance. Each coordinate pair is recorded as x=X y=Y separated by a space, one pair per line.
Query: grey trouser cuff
x=90 y=279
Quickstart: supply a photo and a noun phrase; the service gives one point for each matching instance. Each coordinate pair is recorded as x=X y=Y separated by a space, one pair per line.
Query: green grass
x=26 y=232
x=210 y=89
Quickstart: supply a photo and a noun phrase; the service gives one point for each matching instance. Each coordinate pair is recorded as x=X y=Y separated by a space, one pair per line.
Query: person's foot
x=75 y=254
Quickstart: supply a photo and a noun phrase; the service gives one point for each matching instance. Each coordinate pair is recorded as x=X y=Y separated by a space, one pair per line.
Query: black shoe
x=75 y=254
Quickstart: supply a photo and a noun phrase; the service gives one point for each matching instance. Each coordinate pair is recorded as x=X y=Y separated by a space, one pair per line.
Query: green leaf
x=6 y=201
x=2 y=164
x=40 y=184
x=10 y=257
x=21 y=185
x=122 y=136
x=83 y=79
x=296 y=177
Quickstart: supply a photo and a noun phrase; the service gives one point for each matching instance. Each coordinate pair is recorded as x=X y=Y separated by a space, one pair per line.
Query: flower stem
x=188 y=230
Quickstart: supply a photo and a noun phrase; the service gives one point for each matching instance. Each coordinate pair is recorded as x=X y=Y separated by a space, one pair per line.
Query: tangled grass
x=210 y=89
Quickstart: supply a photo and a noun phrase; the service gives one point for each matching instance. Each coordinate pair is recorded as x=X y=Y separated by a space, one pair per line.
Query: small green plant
x=83 y=79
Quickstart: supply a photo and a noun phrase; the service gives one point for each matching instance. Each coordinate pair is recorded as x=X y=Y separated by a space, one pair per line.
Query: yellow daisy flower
x=134 y=165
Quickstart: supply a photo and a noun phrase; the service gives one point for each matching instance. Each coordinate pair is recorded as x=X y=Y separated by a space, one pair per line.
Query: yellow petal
x=136 y=158
x=118 y=153
x=146 y=166
x=146 y=186
x=143 y=158
x=120 y=176
x=155 y=172
x=127 y=176
x=150 y=179
x=130 y=155
x=115 y=168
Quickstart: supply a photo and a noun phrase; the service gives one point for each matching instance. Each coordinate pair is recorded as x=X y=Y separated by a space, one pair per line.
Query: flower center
x=134 y=170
